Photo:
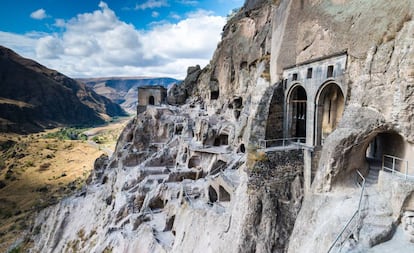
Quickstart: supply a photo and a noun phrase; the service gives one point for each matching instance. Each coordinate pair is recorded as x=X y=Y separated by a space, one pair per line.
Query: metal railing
x=284 y=142
x=397 y=166
x=353 y=223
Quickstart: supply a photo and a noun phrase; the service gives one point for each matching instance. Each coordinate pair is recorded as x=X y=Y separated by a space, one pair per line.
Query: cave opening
x=221 y=140
x=388 y=150
x=194 y=162
x=151 y=100
x=224 y=195
x=212 y=195
x=214 y=95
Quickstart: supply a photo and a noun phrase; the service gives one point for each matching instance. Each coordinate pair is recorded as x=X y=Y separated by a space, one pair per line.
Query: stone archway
x=297 y=106
x=385 y=149
x=329 y=107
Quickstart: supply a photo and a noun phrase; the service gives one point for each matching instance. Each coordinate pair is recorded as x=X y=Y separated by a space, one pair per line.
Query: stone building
x=314 y=98
x=150 y=95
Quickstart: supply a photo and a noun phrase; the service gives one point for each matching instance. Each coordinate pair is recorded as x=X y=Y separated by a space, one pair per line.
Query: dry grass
x=36 y=172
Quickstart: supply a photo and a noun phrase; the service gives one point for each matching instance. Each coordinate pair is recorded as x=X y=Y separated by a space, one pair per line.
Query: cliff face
x=191 y=179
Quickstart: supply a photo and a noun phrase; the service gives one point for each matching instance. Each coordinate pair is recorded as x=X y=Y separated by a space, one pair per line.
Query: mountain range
x=34 y=97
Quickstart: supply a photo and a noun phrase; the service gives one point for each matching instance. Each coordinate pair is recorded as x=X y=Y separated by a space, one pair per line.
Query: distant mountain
x=33 y=97
x=124 y=90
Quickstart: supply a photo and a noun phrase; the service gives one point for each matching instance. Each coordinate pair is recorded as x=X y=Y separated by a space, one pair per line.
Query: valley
x=38 y=170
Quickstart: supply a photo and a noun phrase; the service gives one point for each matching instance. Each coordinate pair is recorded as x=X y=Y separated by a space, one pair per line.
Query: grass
x=38 y=170
x=67 y=134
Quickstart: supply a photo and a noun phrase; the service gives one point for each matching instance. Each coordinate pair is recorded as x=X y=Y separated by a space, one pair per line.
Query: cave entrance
x=329 y=109
x=297 y=112
x=214 y=95
x=385 y=149
x=212 y=195
x=224 y=195
x=194 y=162
x=151 y=100
x=221 y=140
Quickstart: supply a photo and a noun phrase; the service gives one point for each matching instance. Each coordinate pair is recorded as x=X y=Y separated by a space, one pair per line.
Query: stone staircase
x=374 y=169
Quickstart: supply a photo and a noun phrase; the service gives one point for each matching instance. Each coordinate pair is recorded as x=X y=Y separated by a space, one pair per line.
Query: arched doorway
x=297 y=112
x=329 y=108
x=151 y=100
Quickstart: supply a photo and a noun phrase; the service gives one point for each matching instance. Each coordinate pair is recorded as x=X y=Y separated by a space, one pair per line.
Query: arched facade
x=323 y=82
x=314 y=93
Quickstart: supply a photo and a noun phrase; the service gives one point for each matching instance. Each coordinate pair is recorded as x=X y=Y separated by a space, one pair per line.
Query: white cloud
x=174 y=15
x=59 y=22
x=99 y=44
x=39 y=14
x=151 y=4
x=187 y=2
x=23 y=44
x=194 y=37
x=155 y=14
x=49 y=47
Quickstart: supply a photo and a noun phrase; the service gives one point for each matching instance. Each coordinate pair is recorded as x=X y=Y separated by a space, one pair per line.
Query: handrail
x=284 y=141
x=348 y=224
x=362 y=193
x=394 y=170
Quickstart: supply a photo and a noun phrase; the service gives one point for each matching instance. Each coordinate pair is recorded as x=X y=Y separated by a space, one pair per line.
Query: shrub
x=29 y=164
x=2 y=163
x=44 y=166
x=15 y=250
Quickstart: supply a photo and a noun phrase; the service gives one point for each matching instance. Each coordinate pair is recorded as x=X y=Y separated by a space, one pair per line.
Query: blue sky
x=91 y=38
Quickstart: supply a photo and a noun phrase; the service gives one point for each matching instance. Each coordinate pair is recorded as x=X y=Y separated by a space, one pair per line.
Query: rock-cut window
x=330 y=71
x=309 y=74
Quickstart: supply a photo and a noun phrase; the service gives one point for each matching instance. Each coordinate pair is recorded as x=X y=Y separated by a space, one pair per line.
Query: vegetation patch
x=68 y=134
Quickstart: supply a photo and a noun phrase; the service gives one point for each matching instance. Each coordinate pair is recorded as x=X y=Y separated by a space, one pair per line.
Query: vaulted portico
x=314 y=100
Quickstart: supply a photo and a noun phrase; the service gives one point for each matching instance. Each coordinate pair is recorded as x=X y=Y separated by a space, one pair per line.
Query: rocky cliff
x=200 y=177
x=33 y=97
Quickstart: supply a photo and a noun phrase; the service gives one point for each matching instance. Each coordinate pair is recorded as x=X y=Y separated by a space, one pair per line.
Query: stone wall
x=157 y=93
x=274 y=127
x=275 y=196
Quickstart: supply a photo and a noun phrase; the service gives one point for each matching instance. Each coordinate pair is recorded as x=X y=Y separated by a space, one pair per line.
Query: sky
x=93 y=38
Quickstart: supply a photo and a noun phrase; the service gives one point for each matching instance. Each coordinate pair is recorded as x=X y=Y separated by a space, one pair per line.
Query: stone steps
x=374 y=169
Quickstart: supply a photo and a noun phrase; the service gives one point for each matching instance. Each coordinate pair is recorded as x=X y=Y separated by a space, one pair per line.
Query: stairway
x=374 y=169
